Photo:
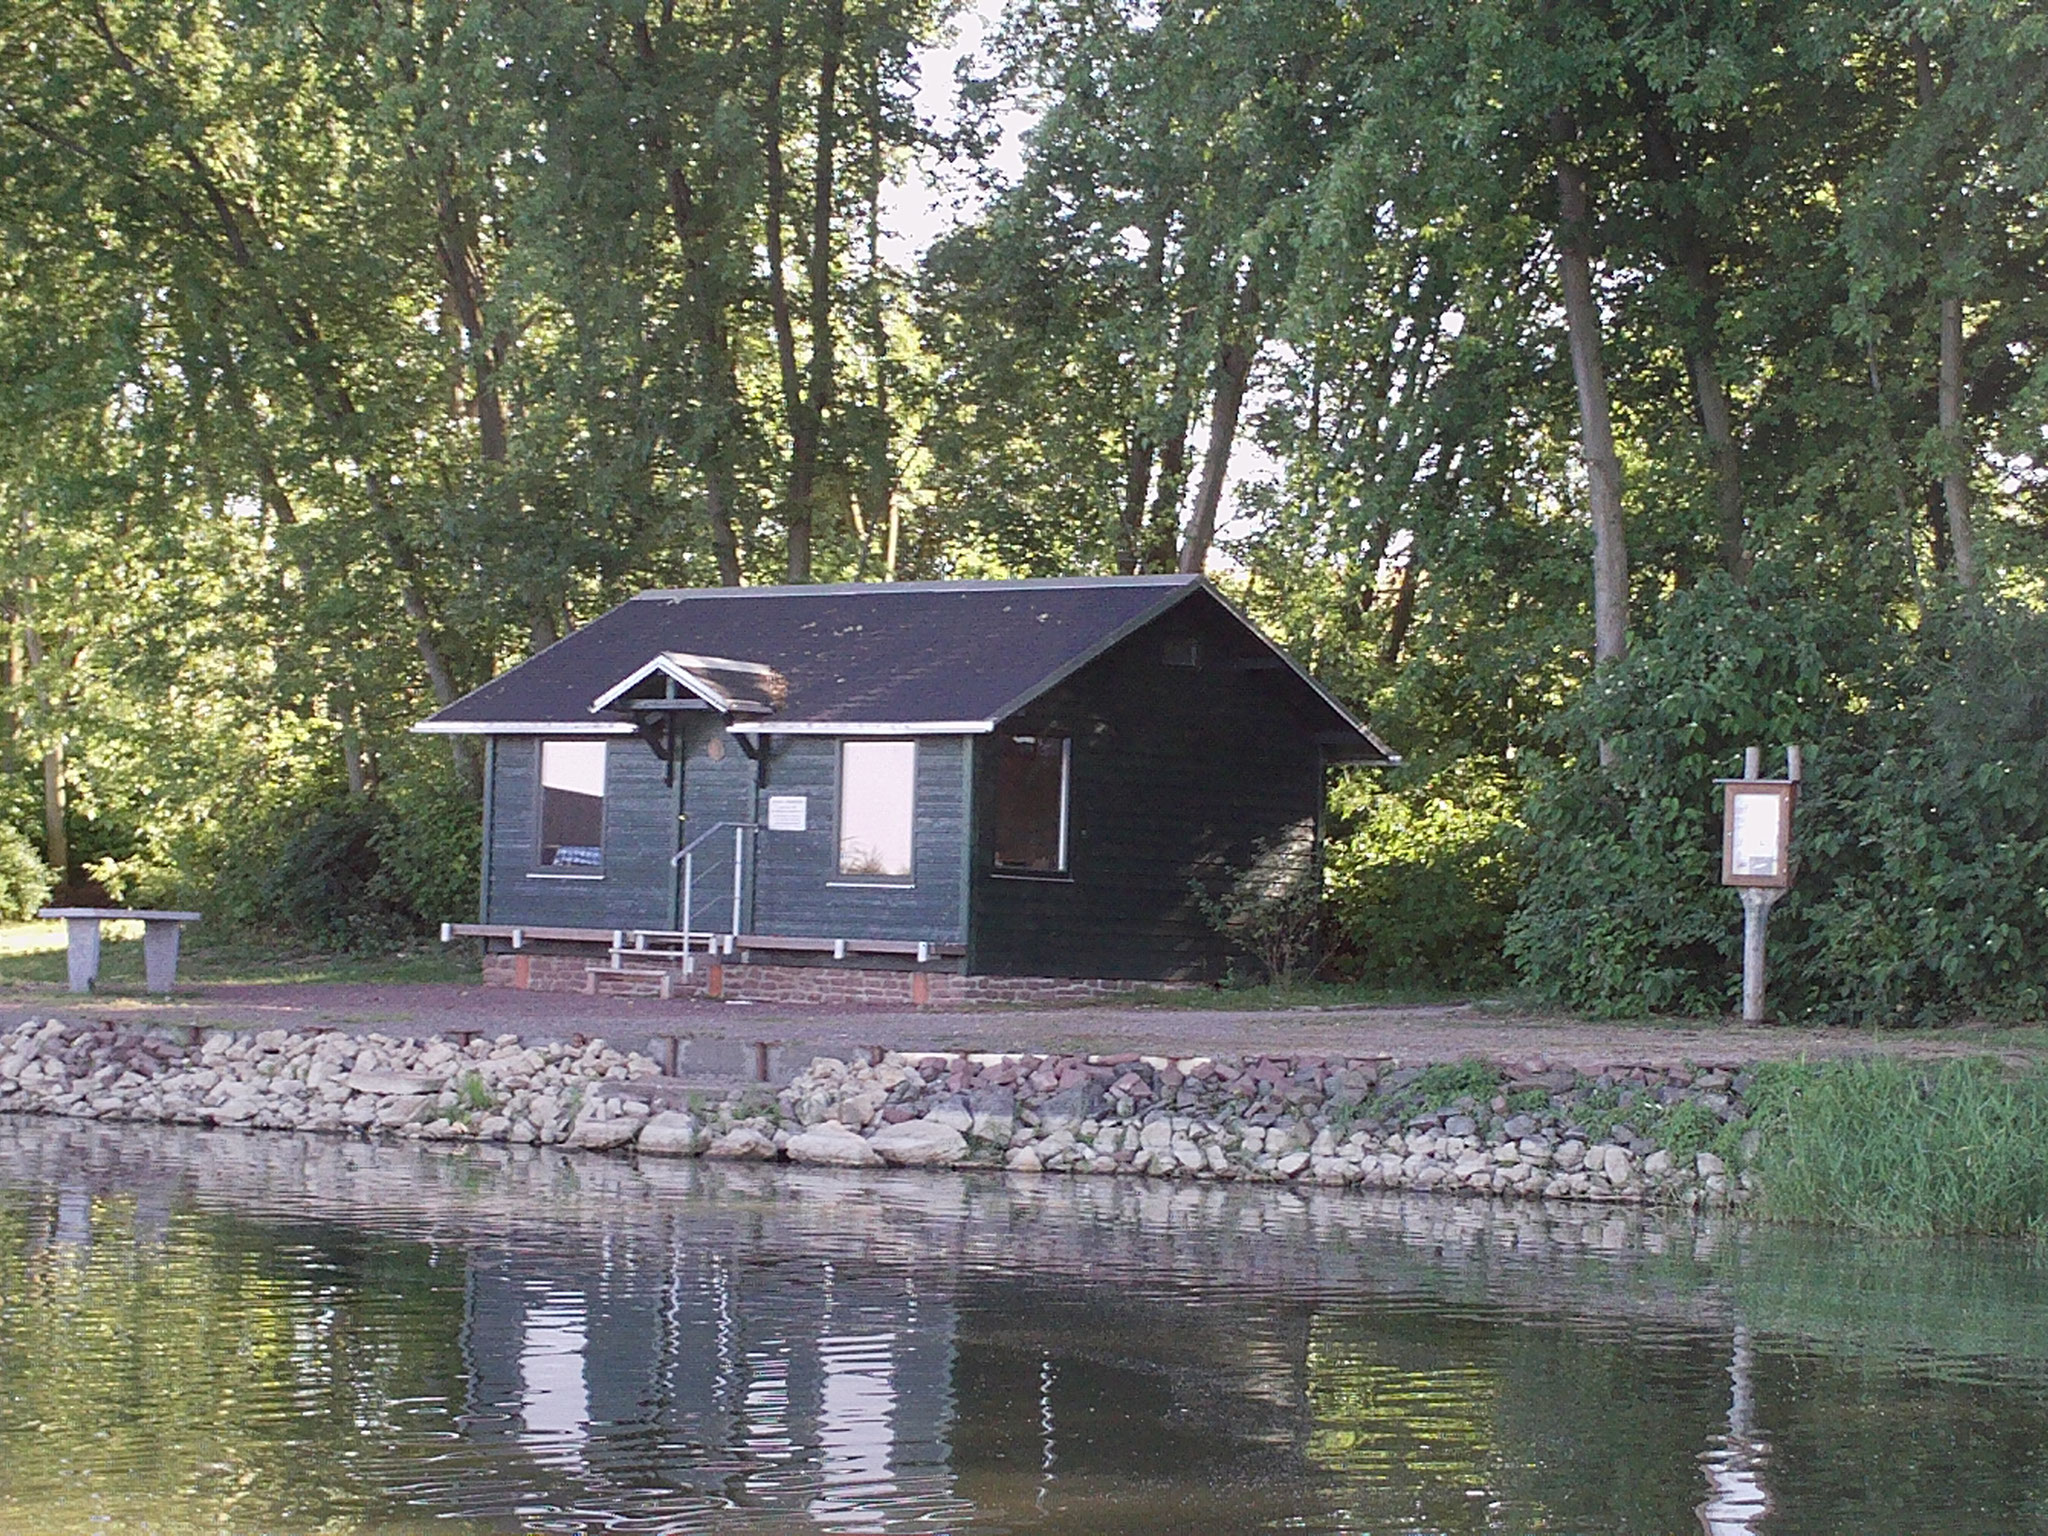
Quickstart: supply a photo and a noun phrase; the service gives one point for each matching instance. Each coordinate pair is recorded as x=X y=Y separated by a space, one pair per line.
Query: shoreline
x=1645 y=1136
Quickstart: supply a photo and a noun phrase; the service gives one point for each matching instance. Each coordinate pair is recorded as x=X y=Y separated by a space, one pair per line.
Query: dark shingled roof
x=959 y=653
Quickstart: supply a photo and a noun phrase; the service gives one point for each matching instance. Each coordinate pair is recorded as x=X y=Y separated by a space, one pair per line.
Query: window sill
x=1042 y=876
x=563 y=874
x=871 y=885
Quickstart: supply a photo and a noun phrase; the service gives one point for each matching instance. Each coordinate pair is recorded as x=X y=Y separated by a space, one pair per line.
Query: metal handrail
x=687 y=857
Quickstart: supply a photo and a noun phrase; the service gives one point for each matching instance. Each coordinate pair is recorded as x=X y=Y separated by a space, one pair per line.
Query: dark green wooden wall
x=799 y=889
x=639 y=821
x=1178 y=774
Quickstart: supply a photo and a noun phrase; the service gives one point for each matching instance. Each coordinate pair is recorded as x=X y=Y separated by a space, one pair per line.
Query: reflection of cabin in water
x=914 y=790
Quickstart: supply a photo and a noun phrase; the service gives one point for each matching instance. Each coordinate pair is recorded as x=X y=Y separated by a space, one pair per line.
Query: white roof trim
x=863 y=728
x=522 y=728
x=682 y=669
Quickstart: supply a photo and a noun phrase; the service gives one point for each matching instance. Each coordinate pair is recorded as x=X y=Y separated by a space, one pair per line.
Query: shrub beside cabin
x=906 y=792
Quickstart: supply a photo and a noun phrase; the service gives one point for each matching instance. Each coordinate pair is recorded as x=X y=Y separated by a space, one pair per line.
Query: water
x=260 y=1333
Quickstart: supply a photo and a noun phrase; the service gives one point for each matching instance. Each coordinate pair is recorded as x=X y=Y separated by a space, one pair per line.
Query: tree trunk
x=1130 y=533
x=1955 y=468
x=1955 y=448
x=1702 y=345
x=56 y=845
x=808 y=430
x=1402 y=619
x=777 y=196
x=1162 y=539
x=1596 y=424
x=1233 y=369
x=16 y=673
x=1717 y=425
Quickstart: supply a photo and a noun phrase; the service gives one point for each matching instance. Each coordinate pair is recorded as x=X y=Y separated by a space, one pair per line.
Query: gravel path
x=725 y=1040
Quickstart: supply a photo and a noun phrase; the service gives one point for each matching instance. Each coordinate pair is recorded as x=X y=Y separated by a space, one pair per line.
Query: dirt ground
x=731 y=1040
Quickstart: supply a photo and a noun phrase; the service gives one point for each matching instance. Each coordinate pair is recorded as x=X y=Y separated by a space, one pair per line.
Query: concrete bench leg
x=160 y=955
x=82 y=952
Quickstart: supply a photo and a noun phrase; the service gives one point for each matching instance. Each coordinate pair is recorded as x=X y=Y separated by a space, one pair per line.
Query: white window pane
x=877 y=807
x=572 y=804
x=576 y=766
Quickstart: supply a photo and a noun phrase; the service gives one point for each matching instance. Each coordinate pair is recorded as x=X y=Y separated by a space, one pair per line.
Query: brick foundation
x=829 y=985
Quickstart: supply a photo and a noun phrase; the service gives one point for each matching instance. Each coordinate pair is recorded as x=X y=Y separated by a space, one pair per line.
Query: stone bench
x=160 y=932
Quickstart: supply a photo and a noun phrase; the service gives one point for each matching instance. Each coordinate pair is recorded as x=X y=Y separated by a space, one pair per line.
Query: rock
x=672 y=1133
x=1617 y=1165
x=1657 y=1164
x=833 y=1146
x=1460 y=1125
x=591 y=1134
x=1709 y=1166
x=743 y=1143
x=1023 y=1160
x=954 y=1114
x=1291 y=1164
x=405 y=1109
x=920 y=1144
x=405 y=1083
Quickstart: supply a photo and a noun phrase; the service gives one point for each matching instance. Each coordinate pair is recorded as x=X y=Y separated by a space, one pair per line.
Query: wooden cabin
x=920 y=791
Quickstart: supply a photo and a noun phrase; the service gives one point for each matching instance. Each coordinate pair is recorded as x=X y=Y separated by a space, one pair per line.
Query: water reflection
x=1736 y=1502
x=205 y=1330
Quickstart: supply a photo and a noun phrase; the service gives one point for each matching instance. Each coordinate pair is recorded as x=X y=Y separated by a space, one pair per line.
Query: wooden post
x=1757 y=902
x=1756 y=856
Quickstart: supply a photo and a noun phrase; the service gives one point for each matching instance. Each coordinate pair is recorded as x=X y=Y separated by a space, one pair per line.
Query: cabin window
x=1031 y=803
x=572 y=806
x=877 y=808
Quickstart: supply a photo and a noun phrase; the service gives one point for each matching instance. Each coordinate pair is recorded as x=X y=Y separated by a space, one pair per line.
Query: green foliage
x=25 y=880
x=1905 y=1147
x=1271 y=910
x=473 y=1093
x=1422 y=872
x=354 y=354
x=1445 y=1082
x=1922 y=829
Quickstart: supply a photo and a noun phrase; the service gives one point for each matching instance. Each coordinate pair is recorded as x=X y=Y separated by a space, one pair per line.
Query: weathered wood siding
x=1178 y=774
x=639 y=836
x=798 y=890
x=792 y=886
x=718 y=787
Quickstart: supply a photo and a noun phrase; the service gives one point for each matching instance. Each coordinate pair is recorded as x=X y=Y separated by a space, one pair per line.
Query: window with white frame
x=572 y=806
x=877 y=809
x=1031 y=803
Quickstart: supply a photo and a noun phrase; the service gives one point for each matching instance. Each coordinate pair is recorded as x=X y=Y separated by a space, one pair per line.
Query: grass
x=1906 y=1148
x=32 y=956
x=1255 y=996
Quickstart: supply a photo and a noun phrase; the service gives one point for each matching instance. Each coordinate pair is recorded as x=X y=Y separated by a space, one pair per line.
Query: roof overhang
x=862 y=727
x=522 y=728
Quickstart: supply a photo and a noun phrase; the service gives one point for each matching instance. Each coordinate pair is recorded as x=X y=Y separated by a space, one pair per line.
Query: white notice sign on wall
x=788 y=813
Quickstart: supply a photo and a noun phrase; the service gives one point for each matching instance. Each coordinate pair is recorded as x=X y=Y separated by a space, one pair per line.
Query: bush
x=340 y=871
x=1272 y=910
x=25 y=880
x=374 y=869
x=1921 y=832
x=1423 y=869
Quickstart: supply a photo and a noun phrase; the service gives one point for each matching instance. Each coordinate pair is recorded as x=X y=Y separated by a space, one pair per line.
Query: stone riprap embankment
x=1629 y=1134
